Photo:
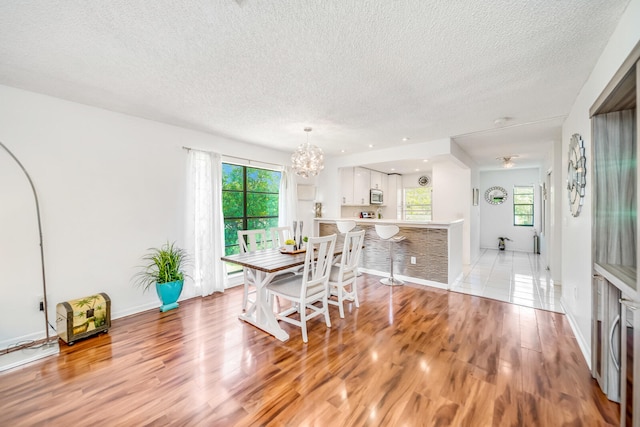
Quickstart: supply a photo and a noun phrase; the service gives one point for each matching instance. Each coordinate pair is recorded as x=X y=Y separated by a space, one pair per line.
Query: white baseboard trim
x=582 y=343
x=406 y=278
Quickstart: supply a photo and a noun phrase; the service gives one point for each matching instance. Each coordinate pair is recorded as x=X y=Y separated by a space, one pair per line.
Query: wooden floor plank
x=410 y=355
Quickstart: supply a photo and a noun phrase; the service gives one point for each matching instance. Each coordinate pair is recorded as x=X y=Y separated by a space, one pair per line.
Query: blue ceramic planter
x=169 y=294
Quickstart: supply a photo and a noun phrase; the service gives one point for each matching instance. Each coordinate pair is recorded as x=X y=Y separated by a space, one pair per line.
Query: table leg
x=261 y=313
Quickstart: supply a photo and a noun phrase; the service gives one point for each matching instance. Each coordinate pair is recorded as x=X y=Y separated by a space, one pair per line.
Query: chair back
x=317 y=264
x=353 y=242
x=252 y=240
x=279 y=235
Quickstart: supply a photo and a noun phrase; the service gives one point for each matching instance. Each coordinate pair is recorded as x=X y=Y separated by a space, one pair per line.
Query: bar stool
x=345 y=226
x=389 y=232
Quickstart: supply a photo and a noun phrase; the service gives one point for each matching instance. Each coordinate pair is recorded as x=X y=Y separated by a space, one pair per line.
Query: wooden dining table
x=266 y=264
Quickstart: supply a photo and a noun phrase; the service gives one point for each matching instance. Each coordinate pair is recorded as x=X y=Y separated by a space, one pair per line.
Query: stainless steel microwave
x=375 y=197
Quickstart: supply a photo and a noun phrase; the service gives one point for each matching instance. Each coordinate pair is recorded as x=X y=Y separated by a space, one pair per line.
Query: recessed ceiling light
x=417 y=169
x=343 y=150
x=425 y=160
x=370 y=145
x=500 y=121
x=405 y=139
x=393 y=169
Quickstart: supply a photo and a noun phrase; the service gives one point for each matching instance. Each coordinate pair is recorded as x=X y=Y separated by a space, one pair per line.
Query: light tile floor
x=515 y=277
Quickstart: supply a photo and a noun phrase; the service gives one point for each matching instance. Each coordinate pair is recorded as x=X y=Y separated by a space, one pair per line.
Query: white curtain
x=205 y=222
x=287 y=198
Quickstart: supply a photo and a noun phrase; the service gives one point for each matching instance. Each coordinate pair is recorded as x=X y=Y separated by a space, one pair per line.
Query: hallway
x=516 y=277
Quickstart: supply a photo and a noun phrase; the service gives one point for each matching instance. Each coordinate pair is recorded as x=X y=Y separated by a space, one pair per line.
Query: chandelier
x=307 y=160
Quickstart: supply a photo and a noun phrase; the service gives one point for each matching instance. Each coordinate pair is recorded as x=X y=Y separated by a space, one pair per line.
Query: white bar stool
x=345 y=226
x=389 y=232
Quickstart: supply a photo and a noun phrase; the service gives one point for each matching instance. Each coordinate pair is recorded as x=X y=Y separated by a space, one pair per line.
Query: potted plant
x=163 y=268
x=501 y=241
x=289 y=245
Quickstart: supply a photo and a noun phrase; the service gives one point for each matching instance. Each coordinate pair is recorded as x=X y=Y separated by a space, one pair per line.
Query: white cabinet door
x=361 y=186
x=629 y=366
x=376 y=180
x=384 y=179
x=346 y=186
x=390 y=197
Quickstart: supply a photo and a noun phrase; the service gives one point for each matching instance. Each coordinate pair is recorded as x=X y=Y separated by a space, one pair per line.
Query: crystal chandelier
x=307 y=160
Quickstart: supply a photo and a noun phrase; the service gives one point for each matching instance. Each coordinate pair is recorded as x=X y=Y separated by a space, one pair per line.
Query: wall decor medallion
x=576 y=174
x=424 y=180
x=495 y=195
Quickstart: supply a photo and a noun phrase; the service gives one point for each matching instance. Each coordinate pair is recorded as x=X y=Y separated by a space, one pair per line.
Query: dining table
x=266 y=264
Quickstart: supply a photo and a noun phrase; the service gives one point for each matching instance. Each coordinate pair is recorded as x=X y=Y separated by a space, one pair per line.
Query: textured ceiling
x=358 y=72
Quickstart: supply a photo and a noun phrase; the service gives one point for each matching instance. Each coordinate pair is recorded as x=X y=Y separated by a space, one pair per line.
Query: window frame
x=245 y=219
x=515 y=204
x=428 y=209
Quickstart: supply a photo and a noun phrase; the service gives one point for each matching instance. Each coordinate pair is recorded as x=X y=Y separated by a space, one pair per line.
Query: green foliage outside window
x=523 y=205
x=417 y=204
x=249 y=202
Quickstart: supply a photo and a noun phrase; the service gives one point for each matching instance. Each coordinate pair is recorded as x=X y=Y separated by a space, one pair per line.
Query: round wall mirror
x=495 y=195
x=576 y=174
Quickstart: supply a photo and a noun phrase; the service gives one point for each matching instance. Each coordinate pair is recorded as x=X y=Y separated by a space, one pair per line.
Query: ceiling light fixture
x=307 y=160
x=500 y=121
x=506 y=161
x=370 y=145
x=405 y=139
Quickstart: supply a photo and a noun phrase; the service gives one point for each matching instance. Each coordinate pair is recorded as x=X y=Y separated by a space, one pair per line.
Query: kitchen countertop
x=395 y=221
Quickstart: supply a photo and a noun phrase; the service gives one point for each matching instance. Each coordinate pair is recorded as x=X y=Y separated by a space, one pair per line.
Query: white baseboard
x=406 y=278
x=585 y=347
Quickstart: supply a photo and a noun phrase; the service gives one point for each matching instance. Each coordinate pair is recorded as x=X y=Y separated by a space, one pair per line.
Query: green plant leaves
x=162 y=265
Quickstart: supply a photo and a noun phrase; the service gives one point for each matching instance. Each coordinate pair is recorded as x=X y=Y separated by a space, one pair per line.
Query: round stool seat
x=387 y=231
x=345 y=226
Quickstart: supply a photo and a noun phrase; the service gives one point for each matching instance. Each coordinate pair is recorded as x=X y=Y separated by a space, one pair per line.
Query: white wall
x=452 y=199
x=576 y=231
x=110 y=186
x=497 y=220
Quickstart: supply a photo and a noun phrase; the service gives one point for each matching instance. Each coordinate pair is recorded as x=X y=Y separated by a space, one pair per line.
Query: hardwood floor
x=409 y=356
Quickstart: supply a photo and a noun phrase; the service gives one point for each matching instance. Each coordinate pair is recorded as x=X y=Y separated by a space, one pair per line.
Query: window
x=523 y=205
x=417 y=204
x=249 y=202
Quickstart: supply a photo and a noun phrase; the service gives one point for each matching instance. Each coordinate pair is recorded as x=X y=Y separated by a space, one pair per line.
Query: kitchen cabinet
x=361 y=186
x=629 y=363
x=356 y=183
x=346 y=186
x=393 y=196
x=378 y=180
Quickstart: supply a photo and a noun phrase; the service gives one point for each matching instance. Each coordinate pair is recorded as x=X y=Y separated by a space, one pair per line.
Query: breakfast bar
x=430 y=254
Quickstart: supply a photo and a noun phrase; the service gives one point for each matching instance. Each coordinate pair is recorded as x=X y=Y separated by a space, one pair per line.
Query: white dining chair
x=308 y=288
x=250 y=241
x=343 y=278
x=279 y=235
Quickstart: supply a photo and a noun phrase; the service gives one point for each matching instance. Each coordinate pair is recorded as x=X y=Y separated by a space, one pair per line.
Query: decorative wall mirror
x=576 y=174
x=495 y=195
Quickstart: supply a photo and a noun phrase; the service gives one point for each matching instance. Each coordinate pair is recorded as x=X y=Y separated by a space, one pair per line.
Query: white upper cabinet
x=376 y=180
x=361 y=186
x=346 y=186
x=355 y=184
